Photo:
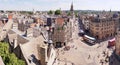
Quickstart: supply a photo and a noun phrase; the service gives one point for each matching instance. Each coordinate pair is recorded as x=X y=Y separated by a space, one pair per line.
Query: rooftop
x=1 y=61
x=30 y=48
x=60 y=21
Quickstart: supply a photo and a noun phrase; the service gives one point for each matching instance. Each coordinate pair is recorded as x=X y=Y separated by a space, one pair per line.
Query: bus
x=81 y=33
x=89 y=39
x=111 y=42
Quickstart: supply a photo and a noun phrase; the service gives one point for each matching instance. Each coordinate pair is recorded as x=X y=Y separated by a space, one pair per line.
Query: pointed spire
x=71 y=9
x=110 y=10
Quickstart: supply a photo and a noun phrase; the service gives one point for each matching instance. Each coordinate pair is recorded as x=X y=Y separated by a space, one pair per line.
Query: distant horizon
x=57 y=9
x=46 y=5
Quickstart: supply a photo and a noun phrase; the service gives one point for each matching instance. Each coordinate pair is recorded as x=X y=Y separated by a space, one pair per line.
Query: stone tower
x=72 y=21
x=72 y=10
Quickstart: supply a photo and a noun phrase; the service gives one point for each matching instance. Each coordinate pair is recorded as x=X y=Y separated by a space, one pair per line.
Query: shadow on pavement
x=87 y=43
x=114 y=59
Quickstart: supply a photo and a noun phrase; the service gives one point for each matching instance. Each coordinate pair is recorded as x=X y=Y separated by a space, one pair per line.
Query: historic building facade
x=102 y=28
x=117 y=39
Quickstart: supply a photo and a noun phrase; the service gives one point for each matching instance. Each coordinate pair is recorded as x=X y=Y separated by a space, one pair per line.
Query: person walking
x=89 y=56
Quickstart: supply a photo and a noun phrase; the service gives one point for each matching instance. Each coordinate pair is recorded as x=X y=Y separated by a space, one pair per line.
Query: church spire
x=71 y=9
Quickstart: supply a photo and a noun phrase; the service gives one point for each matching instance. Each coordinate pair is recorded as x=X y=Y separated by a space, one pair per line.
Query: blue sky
x=57 y=4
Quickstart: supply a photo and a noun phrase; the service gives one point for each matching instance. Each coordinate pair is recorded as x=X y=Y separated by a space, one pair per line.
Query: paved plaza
x=81 y=53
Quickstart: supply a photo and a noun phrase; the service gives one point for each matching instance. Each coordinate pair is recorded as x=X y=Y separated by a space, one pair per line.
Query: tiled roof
x=30 y=48
x=60 y=21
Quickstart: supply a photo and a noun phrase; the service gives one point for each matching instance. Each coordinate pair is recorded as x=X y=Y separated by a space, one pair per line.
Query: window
x=101 y=28
x=97 y=25
x=96 y=32
x=97 y=28
x=105 y=28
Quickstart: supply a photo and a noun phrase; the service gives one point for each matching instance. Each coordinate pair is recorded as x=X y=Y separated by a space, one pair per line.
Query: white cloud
x=63 y=4
x=7 y=0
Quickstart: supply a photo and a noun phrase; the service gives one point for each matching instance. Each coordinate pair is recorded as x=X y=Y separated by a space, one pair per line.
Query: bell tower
x=71 y=10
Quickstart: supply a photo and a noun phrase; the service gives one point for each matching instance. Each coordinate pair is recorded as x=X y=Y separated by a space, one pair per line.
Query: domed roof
x=115 y=15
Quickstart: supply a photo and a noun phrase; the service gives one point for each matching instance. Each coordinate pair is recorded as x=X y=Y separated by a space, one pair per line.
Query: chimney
x=10 y=16
x=42 y=55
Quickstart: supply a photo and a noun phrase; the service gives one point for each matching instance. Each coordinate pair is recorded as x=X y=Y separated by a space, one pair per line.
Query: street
x=81 y=53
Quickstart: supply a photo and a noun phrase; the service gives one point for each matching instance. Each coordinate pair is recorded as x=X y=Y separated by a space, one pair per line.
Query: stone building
x=47 y=54
x=3 y=21
x=103 y=27
x=72 y=20
x=33 y=32
x=60 y=31
x=23 y=26
x=14 y=40
x=24 y=23
x=39 y=21
x=117 y=39
x=86 y=22
x=58 y=35
x=15 y=24
x=34 y=51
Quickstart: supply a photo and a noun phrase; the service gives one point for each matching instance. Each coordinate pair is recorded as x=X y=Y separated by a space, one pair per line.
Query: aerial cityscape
x=64 y=32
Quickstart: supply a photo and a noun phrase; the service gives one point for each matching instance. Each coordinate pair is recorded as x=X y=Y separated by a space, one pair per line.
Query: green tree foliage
x=30 y=13
x=76 y=14
x=50 y=12
x=83 y=12
x=57 y=12
x=68 y=13
x=26 y=12
x=9 y=58
x=2 y=11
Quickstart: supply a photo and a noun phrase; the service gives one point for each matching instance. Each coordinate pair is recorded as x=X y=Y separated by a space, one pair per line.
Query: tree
x=2 y=11
x=9 y=58
x=76 y=14
x=68 y=13
x=57 y=12
x=30 y=13
x=50 y=12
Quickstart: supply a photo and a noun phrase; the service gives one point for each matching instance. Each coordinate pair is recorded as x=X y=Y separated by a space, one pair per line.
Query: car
x=4 y=29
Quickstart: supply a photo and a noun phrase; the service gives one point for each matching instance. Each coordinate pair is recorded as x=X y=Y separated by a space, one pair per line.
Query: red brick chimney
x=10 y=16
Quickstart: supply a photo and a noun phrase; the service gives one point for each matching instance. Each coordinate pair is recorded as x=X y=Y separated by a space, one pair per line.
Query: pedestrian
x=89 y=56
x=98 y=56
x=102 y=62
x=72 y=63
x=111 y=62
x=76 y=48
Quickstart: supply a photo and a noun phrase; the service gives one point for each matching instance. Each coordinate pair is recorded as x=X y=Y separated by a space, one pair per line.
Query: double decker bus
x=89 y=39
x=111 y=42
